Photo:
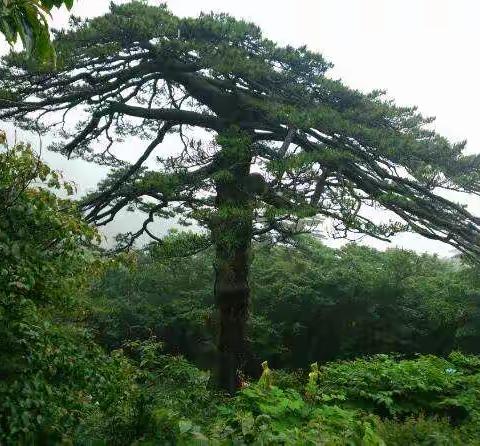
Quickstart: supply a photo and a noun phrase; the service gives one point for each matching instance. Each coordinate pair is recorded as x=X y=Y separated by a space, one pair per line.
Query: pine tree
x=270 y=145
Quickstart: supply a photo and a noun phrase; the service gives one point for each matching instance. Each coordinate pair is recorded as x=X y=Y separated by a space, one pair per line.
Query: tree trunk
x=231 y=229
x=232 y=298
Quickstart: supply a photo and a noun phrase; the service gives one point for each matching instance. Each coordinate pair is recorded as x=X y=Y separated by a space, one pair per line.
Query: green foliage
x=309 y=303
x=283 y=416
x=148 y=300
x=60 y=386
x=326 y=303
x=28 y=19
x=291 y=147
x=173 y=400
x=352 y=148
x=371 y=401
x=399 y=388
x=54 y=378
x=43 y=243
x=422 y=431
x=42 y=236
x=66 y=384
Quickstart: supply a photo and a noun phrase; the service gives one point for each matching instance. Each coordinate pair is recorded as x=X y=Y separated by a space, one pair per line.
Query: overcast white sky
x=424 y=52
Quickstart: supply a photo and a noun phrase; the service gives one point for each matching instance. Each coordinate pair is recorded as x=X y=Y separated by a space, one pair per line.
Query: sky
x=423 y=52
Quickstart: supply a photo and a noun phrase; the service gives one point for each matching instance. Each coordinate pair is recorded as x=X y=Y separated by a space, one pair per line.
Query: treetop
x=327 y=150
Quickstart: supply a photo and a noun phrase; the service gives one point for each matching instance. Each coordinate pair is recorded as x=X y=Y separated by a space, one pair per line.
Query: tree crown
x=320 y=149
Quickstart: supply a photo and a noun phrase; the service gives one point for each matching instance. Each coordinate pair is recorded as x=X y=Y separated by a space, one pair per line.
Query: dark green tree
x=270 y=144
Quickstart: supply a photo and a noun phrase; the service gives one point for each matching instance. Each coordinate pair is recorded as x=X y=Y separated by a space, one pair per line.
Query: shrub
x=401 y=388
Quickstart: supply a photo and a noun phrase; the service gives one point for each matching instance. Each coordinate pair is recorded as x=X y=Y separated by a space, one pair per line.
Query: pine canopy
x=313 y=147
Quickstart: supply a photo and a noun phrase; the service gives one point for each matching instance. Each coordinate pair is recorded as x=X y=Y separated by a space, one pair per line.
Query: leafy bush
x=422 y=431
x=67 y=384
x=54 y=380
x=282 y=416
x=419 y=392
x=400 y=388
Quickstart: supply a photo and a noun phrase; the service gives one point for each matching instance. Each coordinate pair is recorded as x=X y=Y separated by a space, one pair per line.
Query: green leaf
x=185 y=426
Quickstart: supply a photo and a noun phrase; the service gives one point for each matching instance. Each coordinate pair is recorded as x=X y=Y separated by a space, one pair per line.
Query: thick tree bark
x=232 y=233
x=232 y=295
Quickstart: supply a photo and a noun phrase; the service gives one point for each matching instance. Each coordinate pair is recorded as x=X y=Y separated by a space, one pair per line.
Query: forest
x=241 y=326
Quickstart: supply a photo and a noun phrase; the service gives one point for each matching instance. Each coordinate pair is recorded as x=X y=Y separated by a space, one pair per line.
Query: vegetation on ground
x=92 y=347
